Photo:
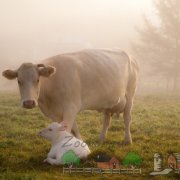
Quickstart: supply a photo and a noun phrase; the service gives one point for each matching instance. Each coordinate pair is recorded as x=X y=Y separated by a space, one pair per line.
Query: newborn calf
x=62 y=141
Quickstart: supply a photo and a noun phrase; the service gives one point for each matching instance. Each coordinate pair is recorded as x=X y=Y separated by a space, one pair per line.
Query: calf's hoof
x=45 y=160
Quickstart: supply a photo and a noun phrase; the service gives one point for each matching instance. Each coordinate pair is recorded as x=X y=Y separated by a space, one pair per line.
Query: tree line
x=159 y=45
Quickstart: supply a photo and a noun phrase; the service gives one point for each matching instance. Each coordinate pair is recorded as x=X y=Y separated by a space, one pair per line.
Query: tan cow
x=63 y=85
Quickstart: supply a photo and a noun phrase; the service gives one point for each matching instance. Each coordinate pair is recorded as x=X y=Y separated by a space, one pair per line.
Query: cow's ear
x=9 y=74
x=46 y=71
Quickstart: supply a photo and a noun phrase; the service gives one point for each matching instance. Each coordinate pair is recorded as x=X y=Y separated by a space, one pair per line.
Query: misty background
x=149 y=30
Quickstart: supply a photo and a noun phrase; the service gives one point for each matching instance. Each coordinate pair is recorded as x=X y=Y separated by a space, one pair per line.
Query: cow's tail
x=131 y=61
x=135 y=64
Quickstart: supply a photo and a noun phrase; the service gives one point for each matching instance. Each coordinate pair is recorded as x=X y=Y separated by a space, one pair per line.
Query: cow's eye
x=38 y=81
x=50 y=129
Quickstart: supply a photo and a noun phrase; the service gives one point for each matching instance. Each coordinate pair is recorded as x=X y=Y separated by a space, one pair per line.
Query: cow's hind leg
x=106 y=123
x=127 y=110
x=131 y=88
x=127 y=122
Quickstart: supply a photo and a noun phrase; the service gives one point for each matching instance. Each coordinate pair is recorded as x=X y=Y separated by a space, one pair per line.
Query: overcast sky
x=35 y=29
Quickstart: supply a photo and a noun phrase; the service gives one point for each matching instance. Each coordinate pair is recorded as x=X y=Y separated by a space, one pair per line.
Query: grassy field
x=155 y=128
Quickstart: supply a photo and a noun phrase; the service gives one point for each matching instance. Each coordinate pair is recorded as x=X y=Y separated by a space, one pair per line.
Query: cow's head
x=28 y=78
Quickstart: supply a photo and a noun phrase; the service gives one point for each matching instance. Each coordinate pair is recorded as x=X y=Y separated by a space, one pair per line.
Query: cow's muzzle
x=29 y=104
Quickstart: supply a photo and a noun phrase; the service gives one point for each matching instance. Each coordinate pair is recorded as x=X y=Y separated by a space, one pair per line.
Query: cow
x=93 y=79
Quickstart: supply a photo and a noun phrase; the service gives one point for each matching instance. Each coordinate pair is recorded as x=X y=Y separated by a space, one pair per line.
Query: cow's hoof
x=126 y=142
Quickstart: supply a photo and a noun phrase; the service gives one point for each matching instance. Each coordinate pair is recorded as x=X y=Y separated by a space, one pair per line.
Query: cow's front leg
x=75 y=130
x=127 y=122
x=69 y=116
x=106 y=123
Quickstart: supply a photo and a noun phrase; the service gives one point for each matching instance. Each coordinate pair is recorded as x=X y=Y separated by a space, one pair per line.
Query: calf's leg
x=53 y=161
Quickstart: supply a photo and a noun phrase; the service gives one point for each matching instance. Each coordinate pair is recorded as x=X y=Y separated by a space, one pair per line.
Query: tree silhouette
x=132 y=159
x=159 y=45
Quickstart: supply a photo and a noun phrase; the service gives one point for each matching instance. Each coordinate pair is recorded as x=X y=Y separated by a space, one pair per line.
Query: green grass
x=155 y=128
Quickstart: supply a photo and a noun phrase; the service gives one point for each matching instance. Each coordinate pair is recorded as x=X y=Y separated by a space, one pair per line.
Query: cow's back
x=104 y=76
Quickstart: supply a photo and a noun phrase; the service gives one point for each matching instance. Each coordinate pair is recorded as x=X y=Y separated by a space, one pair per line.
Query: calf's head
x=28 y=78
x=53 y=131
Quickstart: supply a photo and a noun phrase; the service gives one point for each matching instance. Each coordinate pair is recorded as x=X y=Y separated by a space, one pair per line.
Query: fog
x=32 y=30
